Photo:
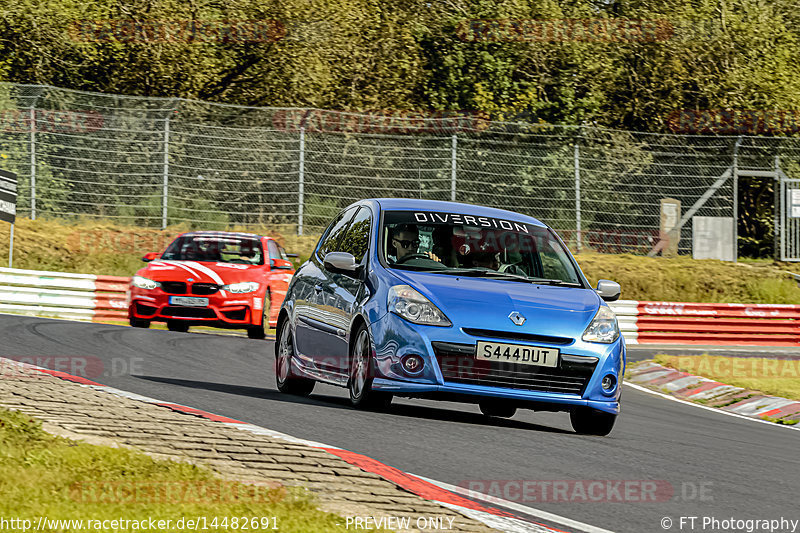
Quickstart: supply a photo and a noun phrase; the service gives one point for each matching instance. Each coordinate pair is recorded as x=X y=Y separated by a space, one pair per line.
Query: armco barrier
x=62 y=295
x=708 y=323
x=103 y=298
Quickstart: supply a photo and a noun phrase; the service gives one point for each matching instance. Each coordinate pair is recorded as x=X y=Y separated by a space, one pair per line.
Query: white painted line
x=258 y=430
x=712 y=409
x=503 y=523
x=538 y=513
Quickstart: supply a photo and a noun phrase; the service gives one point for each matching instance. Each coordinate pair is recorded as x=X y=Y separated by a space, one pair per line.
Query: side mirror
x=150 y=256
x=280 y=264
x=341 y=262
x=608 y=290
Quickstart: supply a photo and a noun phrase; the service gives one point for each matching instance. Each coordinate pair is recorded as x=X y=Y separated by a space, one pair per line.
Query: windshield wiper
x=416 y=268
x=488 y=272
x=559 y=282
x=485 y=272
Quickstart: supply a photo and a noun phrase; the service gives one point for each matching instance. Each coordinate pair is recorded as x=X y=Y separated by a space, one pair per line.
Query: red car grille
x=205 y=288
x=173 y=287
x=189 y=312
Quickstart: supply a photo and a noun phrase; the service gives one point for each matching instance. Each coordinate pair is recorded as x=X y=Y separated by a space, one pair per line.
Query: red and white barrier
x=103 y=298
x=708 y=323
x=63 y=295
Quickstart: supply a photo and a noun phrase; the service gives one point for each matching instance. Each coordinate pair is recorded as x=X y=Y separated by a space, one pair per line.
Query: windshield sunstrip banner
x=429 y=217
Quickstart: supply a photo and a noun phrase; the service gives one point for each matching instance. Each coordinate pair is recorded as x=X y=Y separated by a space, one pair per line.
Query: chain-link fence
x=160 y=161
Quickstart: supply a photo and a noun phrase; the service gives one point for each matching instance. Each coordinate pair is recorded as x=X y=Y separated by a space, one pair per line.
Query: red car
x=212 y=278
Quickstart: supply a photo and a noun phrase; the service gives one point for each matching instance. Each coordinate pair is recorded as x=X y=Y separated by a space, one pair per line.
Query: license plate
x=189 y=301
x=517 y=354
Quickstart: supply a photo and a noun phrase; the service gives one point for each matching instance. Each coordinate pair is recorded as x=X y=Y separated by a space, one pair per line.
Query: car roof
x=221 y=234
x=411 y=204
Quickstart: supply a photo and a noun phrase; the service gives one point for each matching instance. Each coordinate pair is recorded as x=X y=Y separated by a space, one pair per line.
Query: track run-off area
x=704 y=463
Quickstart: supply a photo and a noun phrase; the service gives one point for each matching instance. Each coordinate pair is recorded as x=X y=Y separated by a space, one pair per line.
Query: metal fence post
x=777 y=209
x=11 y=247
x=301 y=184
x=453 y=167
x=577 y=165
x=33 y=163
x=735 y=172
x=165 y=184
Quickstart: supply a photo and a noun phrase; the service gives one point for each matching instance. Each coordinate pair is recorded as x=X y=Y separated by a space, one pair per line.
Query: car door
x=342 y=291
x=314 y=331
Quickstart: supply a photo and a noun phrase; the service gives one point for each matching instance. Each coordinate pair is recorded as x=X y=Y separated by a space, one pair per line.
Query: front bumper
x=451 y=372
x=232 y=311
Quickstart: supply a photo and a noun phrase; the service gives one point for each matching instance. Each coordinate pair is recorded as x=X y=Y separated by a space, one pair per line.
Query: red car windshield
x=215 y=248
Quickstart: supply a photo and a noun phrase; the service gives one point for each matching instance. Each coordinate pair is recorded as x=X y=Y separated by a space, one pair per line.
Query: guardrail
x=103 y=298
x=62 y=295
x=708 y=323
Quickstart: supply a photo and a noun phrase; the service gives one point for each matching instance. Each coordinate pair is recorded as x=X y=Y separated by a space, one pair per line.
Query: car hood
x=483 y=303
x=200 y=272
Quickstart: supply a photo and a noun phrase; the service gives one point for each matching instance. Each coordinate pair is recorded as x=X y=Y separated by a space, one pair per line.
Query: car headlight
x=144 y=283
x=244 y=286
x=604 y=327
x=408 y=303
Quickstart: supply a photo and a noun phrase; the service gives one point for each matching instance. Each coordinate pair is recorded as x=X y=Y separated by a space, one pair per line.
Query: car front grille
x=459 y=365
x=205 y=288
x=144 y=309
x=189 y=312
x=236 y=314
x=173 y=287
x=517 y=336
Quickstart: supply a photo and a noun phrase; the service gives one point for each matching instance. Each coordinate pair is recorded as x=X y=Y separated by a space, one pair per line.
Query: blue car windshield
x=477 y=246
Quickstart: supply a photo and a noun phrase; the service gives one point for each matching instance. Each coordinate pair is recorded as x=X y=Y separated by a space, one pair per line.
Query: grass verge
x=774 y=377
x=46 y=476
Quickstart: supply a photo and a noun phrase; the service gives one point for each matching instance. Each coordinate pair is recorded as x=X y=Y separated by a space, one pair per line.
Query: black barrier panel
x=8 y=196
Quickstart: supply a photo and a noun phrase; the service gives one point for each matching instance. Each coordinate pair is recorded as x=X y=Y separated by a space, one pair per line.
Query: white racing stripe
x=712 y=409
x=184 y=267
x=530 y=511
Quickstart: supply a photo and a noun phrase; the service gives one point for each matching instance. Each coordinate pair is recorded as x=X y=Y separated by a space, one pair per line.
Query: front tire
x=361 y=375
x=284 y=351
x=177 y=325
x=139 y=322
x=588 y=421
x=497 y=409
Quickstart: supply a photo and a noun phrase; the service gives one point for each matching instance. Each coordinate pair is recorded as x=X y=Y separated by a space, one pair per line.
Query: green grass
x=683 y=279
x=89 y=246
x=44 y=475
x=774 y=377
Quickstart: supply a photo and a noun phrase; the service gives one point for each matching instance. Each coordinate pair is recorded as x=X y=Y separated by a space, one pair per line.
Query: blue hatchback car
x=428 y=299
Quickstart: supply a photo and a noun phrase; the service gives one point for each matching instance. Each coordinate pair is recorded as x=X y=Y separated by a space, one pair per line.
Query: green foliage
x=415 y=54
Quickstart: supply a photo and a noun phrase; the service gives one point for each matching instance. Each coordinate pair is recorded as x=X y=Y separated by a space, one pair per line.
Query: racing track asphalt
x=752 y=467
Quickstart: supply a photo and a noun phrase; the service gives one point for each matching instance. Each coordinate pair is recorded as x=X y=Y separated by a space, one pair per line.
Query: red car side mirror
x=280 y=264
x=149 y=256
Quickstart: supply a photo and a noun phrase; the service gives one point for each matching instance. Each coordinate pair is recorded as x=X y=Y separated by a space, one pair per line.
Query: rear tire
x=284 y=351
x=588 y=421
x=260 y=332
x=139 y=322
x=177 y=325
x=362 y=373
x=497 y=409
